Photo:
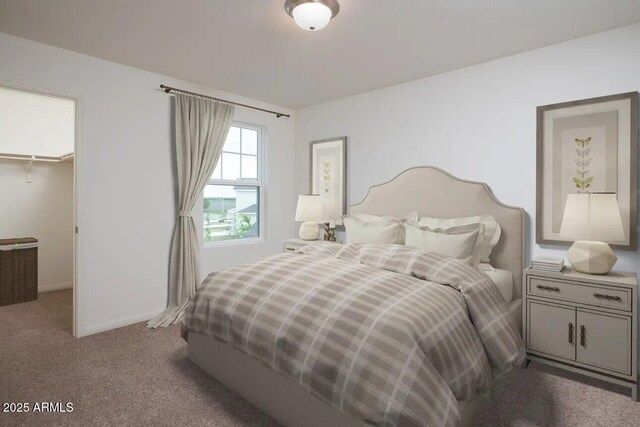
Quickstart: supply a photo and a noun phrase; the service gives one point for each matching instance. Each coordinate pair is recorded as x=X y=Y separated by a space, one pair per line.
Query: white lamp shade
x=312 y=16
x=309 y=208
x=592 y=216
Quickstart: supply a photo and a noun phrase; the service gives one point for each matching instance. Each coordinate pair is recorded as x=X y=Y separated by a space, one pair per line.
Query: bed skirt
x=279 y=396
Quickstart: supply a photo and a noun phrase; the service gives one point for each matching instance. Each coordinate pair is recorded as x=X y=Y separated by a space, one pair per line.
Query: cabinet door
x=551 y=329
x=604 y=340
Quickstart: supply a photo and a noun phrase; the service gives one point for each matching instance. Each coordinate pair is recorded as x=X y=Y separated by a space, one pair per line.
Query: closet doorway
x=38 y=196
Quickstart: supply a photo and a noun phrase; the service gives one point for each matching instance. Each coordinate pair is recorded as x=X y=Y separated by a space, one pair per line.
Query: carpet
x=137 y=376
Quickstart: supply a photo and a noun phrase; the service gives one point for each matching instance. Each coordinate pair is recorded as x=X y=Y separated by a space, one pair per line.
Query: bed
x=427 y=190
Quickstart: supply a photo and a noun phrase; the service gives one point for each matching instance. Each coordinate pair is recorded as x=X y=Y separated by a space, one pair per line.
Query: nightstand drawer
x=602 y=296
x=291 y=247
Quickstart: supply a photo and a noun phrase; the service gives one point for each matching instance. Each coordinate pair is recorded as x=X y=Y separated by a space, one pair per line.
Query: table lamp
x=309 y=212
x=591 y=219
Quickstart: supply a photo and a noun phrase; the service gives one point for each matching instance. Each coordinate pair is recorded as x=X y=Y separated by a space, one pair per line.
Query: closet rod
x=168 y=89
x=28 y=158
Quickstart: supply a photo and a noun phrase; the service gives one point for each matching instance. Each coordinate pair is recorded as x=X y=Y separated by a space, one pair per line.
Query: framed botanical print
x=587 y=146
x=328 y=175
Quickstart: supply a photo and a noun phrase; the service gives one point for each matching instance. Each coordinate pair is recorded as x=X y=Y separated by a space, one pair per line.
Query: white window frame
x=259 y=182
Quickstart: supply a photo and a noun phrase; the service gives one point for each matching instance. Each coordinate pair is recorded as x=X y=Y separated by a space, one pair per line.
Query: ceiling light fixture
x=312 y=15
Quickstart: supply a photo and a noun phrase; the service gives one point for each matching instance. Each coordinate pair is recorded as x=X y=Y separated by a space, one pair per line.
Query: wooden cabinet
x=584 y=323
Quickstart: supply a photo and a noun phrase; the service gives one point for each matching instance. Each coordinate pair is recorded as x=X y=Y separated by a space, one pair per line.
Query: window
x=232 y=199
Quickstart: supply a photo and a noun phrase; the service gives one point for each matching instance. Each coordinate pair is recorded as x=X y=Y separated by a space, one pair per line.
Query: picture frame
x=589 y=145
x=328 y=175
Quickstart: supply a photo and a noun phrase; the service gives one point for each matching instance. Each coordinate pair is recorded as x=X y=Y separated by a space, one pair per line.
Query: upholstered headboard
x=433 y=192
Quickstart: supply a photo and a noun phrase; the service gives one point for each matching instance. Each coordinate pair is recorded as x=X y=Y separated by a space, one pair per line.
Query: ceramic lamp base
x=309 y=231
x=591 y=257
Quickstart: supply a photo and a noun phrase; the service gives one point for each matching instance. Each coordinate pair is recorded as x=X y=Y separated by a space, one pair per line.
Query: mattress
x=504 y=281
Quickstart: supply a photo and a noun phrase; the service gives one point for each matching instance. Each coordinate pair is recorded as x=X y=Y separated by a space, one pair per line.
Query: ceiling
x=253 y=48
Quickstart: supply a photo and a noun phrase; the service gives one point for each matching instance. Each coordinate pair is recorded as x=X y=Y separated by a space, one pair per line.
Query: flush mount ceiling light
x=312 y=15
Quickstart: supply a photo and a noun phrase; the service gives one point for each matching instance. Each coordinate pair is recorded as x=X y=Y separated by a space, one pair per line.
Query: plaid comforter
x=390 y=334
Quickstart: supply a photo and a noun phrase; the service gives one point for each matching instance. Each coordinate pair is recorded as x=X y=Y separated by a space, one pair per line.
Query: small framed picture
x=585 y=146
x=328 y=175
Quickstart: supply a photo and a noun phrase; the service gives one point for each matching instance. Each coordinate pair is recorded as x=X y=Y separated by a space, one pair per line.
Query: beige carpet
x=136 y=376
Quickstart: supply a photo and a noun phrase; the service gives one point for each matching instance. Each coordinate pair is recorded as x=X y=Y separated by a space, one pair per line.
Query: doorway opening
x=38 y=170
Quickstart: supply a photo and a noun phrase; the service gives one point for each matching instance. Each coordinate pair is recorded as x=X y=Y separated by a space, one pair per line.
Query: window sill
x=236 y=242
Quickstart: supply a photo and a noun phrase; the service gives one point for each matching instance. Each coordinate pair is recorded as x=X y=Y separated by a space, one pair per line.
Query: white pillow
x=485 y=266
x=491 y=233
x=409 y=216
x=359 y=231
x=462 y=242
x=365 y=228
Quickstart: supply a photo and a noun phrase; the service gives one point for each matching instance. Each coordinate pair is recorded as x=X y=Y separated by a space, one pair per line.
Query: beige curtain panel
x=201 y=130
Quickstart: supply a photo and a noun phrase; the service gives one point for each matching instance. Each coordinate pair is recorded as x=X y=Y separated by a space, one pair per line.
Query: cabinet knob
x=583 y=333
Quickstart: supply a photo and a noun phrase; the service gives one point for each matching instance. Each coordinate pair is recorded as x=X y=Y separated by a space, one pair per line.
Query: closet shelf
x=28 y=158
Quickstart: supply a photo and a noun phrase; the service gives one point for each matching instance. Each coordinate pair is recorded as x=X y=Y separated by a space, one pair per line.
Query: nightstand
x=294 y=245
x=583 y=323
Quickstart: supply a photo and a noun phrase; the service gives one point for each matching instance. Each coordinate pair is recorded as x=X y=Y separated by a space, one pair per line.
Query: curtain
x=201 y=130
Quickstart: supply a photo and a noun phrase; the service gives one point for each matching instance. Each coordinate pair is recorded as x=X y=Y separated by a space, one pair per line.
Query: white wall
x=42 y=209
x=478 y=123
x=127 y=190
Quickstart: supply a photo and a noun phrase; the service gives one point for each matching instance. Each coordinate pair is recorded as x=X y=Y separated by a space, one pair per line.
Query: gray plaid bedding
x=390 y=334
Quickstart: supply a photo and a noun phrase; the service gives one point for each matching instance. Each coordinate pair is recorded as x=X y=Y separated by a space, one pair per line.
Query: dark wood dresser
x=18 y=270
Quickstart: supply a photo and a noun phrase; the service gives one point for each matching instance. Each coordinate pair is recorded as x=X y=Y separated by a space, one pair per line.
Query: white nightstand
x=294 y=245
x=583 y=323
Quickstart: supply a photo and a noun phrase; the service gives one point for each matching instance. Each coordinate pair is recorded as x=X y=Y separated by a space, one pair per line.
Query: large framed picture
x=328 y=175
x=587 y=146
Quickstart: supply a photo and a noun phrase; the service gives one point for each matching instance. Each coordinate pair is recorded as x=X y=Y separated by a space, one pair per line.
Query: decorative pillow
x=366 y=228
x=491 y=231
x=389 y=230
x=463 y=242
x=409 y=216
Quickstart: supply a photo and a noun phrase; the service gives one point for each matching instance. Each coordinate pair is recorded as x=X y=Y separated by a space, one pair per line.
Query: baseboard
x=55 y=287
x=103 y=327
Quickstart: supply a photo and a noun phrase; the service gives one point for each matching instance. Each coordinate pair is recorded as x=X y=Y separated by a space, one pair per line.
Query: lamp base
x=329 y=233
x=591 y=257
x=309 y=231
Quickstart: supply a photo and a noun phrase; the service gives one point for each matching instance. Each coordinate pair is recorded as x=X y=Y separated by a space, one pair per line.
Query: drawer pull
x=291 y=249
x=548 y=288
x=605 y=296
x=583 y=333
x=571 y=333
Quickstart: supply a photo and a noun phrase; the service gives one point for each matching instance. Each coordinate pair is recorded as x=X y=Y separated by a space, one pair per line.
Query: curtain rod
x=168 y=89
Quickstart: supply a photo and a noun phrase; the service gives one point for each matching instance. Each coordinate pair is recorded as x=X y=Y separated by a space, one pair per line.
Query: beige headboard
x=433 y=192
